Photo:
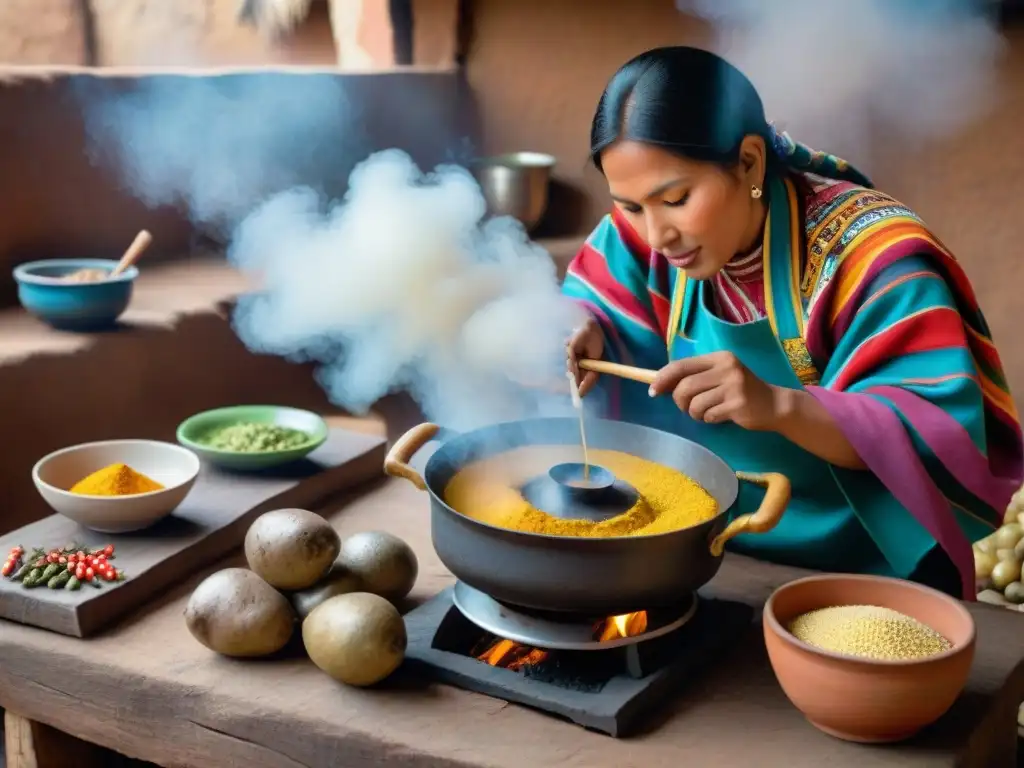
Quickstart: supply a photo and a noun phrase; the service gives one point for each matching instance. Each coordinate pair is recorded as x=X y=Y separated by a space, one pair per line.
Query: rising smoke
x=217 y=147
x=402 y=284
x=835 y=74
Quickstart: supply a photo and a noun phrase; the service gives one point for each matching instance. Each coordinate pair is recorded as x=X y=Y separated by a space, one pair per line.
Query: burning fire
x=512 y=655
x=626 y=625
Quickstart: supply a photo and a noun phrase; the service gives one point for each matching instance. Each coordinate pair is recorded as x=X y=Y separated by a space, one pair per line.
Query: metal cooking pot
x=593 y=576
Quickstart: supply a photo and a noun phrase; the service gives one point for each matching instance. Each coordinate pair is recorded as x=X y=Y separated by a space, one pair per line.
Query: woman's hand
x=587 y=343
x=718 y=387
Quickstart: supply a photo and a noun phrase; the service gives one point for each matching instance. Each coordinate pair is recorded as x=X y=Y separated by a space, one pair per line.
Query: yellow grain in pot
x=868 y=631
x=487 y=491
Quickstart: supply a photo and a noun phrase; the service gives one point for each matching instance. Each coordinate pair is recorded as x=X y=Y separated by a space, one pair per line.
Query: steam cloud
x=219 y=147
x=833 y=73
x=403 y=284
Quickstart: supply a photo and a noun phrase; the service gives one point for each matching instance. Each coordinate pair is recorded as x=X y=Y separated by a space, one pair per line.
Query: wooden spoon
x=643 y=375
x=136 y=249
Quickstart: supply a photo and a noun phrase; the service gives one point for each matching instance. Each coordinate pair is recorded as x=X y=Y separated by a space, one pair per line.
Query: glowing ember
x=511 y=655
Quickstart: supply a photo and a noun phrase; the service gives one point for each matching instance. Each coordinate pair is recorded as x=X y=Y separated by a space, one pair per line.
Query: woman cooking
x=800 y=322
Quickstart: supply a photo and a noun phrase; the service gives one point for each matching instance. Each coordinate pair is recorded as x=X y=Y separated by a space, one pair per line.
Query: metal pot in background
x=516 y=185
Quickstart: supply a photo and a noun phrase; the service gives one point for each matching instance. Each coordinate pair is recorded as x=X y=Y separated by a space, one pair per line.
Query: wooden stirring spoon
x=136 y=249
x=139 y=244
x=643 y=375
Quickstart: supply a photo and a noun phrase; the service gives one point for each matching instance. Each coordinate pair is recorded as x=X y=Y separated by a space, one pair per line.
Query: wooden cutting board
x=210 y=523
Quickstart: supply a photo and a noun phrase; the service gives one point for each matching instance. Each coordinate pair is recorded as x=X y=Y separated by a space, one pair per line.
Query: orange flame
x=626 y=625
x=512 y=655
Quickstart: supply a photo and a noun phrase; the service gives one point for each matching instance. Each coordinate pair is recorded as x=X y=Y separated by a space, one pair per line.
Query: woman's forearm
x=802 y=420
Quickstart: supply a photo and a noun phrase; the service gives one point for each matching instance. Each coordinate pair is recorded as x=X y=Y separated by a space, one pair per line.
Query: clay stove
x=609 y=674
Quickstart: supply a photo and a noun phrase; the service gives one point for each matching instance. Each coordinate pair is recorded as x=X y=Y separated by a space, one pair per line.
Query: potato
x=338 y=581
x=1005 y=572
x=1014 y=593
x=984 y=562
x=291 y=548
x=236 y=613
x=1018 y=551
x=384 y=564
x=1008 y=536
x=358 y=639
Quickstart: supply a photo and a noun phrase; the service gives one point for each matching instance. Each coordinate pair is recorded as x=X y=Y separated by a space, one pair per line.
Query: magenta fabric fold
x=952 y=445
x=877 y=434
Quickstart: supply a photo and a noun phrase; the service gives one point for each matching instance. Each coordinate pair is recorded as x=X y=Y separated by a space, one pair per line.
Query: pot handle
x=776 y=497
x=396 y=463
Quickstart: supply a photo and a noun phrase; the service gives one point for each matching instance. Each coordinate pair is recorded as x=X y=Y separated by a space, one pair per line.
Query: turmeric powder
x=115 y=480
x=488 y=491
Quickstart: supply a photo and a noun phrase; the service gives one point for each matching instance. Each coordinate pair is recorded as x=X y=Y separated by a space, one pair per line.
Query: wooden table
x=148 y=690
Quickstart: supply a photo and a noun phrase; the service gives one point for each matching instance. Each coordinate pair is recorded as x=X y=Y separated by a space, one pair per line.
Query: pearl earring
x=755 y=192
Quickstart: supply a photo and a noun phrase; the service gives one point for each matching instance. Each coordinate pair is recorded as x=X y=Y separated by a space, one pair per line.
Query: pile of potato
x=997 y=565
x=999 y=556
x=300 y=571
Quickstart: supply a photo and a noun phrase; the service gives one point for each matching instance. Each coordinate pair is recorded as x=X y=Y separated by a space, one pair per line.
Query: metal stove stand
x=635 y=680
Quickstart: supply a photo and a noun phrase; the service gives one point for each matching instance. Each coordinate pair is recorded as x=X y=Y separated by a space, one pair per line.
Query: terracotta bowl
x=866 y=700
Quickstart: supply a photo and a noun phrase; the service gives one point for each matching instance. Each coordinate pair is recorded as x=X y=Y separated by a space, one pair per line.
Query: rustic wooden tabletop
x=147 y=689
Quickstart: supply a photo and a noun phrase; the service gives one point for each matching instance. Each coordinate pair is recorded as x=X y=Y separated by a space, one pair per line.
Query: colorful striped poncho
x=899 y=352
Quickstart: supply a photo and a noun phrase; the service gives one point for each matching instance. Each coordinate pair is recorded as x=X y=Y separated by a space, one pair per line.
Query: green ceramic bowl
x=193 y=429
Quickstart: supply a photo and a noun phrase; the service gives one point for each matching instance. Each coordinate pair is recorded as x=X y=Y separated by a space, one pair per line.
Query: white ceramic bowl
x=172 y=466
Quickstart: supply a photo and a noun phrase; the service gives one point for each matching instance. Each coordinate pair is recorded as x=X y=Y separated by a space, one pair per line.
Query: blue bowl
x=73 y=306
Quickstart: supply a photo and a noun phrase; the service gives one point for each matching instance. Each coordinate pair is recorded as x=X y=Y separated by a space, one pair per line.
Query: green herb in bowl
x=253 y=437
